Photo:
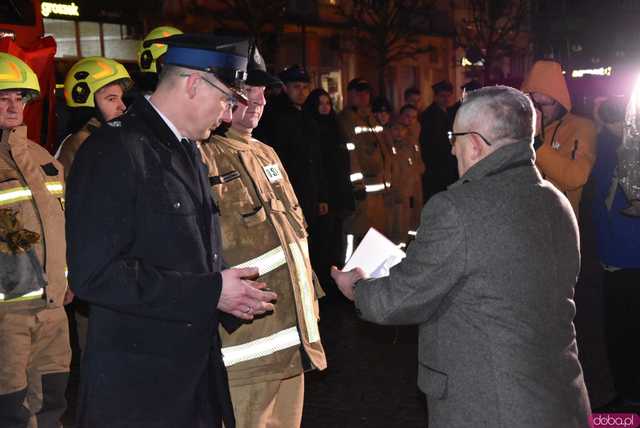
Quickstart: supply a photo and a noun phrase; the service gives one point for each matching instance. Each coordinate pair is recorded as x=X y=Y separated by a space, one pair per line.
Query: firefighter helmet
x=89 y=75
x=148 y=57
x=16 y=74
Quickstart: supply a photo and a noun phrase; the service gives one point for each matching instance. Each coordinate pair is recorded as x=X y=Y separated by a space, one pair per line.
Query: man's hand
x=242 y=297
x=347 y=280
x=68 y=297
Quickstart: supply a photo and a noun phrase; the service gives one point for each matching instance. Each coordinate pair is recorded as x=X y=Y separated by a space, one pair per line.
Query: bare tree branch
x=388 y=29
x=493 y=28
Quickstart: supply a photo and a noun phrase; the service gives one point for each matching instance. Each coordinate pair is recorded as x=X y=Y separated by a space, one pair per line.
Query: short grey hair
x=503 y=115
x=168 y=73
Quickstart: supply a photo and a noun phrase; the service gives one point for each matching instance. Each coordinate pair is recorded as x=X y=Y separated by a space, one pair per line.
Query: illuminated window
x=65 y=34
x=118 y=43
x=90 y=39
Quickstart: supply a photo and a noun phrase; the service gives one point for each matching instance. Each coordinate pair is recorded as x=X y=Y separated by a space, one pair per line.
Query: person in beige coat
x=263 y=226
x=34 y=338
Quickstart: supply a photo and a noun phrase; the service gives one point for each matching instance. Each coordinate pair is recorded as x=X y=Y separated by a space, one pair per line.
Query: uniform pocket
x=21 y=276
x=254 y=218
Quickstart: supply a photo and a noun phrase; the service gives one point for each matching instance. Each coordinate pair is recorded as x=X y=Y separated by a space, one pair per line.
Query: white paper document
x=376 y=255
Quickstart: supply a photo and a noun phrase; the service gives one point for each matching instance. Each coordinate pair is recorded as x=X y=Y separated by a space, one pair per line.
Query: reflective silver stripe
x=412 y=233
x=393 y=149
x=362 y=129
x=349 y=248
x=351 y=146
x=300 y=254
x=401 y=245
x=370 y=188
x=261 y=347
x=387 y=184
x=28 y=296
x=267 y=262
x=356 y=176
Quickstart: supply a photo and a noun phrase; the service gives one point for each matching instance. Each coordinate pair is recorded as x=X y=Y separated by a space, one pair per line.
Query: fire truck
x=22 y=35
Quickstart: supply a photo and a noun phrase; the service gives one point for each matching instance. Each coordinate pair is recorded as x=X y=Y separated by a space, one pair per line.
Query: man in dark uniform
x=441 y=168
x=292 y=132
x=144 y=250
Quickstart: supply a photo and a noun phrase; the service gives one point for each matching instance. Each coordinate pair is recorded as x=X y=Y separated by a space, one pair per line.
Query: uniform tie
x=190 y=148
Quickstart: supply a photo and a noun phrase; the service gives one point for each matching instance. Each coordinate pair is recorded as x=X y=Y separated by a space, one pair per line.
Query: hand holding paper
x=374 y=257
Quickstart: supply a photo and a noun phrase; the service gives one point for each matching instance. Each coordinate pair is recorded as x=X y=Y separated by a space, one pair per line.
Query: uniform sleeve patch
x=50 y=169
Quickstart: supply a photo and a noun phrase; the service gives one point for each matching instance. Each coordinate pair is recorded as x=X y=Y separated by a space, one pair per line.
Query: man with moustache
x=144 y=250
x=263 y=225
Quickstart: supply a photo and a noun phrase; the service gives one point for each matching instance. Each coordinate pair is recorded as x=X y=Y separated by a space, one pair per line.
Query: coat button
x=215 y=257
x=177 y=205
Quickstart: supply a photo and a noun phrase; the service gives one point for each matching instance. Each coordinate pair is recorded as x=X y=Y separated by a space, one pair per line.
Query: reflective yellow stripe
x=55 y=187
x=28 y=296
x=267 y=262
x=261 y=347
x=16 y=194
x=300 y=253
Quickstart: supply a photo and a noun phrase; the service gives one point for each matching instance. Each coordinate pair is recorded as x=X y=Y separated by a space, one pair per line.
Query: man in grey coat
x=490 y=280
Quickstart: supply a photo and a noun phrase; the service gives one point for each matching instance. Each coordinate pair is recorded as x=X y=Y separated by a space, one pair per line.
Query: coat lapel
x=174 y=156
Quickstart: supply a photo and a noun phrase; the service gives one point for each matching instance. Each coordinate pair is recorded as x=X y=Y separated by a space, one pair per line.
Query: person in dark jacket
x=618 y=243
x=293 y=134
x=440 y=164
x=335 y=159
x=144 y=250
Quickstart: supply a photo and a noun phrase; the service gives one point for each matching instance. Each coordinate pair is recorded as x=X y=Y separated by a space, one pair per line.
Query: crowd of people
x=199 y=213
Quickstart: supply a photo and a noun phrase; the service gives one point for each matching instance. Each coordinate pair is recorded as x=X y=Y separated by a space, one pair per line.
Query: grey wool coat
x=490 y=281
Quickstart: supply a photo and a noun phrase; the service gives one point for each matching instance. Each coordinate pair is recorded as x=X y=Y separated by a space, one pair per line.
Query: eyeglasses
x=452 y=136
x=230 y=99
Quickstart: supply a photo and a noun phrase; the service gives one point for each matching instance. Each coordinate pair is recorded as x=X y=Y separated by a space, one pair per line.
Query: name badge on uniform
x=273 y=173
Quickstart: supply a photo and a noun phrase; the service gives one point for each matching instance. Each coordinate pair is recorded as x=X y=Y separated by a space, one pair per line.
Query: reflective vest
x=32 y=194
x=263 y=226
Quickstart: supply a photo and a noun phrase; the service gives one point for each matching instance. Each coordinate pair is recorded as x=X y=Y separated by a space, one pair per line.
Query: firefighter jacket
x=263 y=226
x=69 y=147
x=406 y=188
x=568 y=149
x=370 y=168
x=32 y=240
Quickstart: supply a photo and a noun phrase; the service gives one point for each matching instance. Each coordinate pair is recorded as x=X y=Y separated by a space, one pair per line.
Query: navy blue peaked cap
x=226 y=57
